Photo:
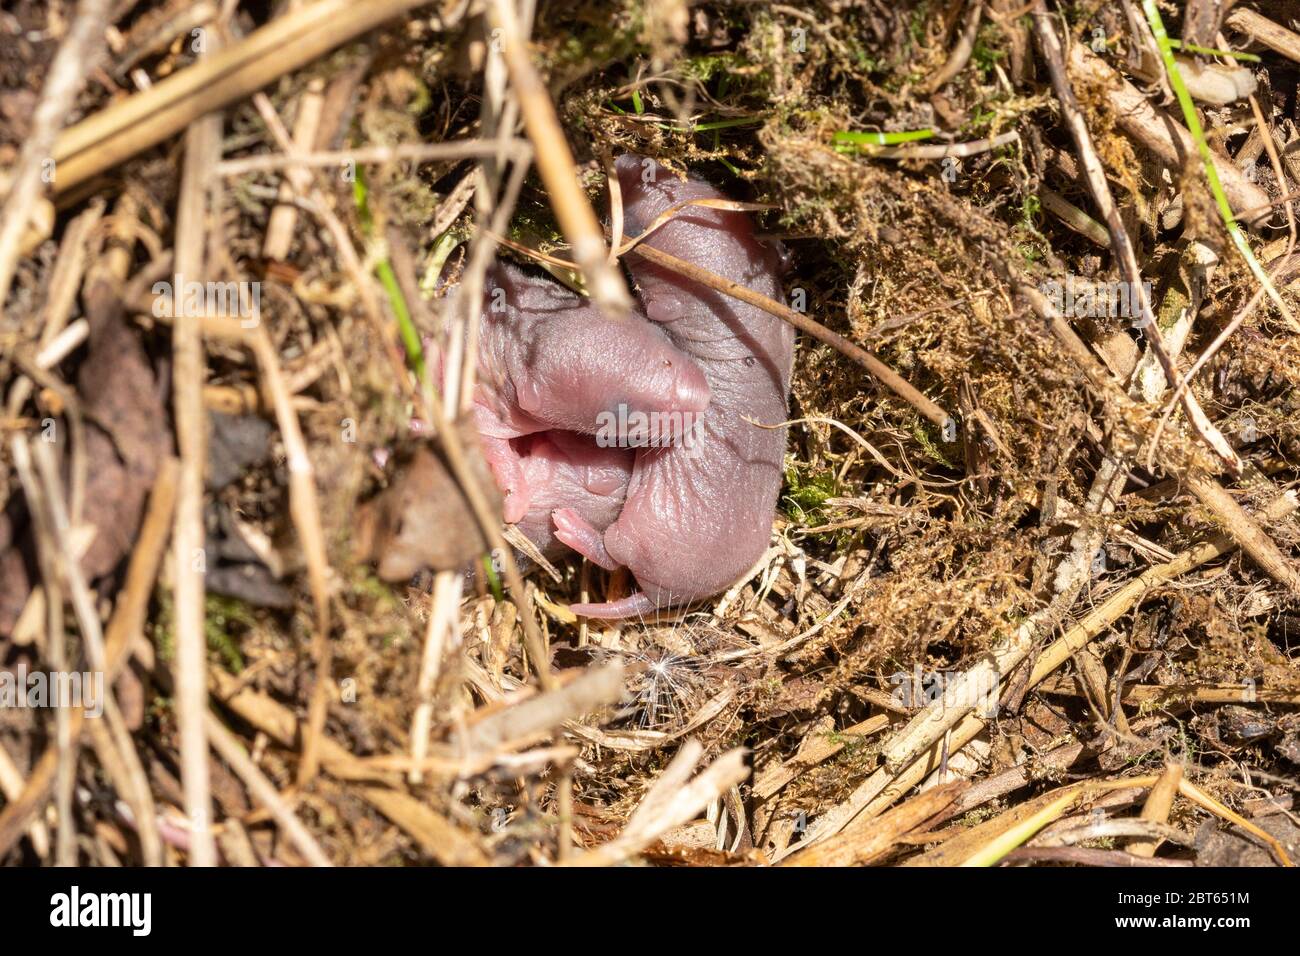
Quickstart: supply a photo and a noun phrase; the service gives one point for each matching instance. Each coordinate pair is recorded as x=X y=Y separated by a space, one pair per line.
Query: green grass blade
x=1207 y=159
x=845 y=138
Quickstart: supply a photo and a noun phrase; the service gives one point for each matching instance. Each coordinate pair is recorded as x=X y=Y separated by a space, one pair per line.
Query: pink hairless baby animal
x=698 y=516
x=552 y=369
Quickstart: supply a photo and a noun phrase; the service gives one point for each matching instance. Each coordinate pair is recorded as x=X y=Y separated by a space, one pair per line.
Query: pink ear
x=667 y=305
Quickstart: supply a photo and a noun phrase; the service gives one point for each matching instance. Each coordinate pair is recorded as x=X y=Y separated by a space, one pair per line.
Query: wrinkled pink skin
x=695 y=520
x=570 y=473
x=548 y=360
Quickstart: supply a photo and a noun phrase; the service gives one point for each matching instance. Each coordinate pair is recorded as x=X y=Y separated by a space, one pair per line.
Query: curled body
x=549 y=361
x=698 y=515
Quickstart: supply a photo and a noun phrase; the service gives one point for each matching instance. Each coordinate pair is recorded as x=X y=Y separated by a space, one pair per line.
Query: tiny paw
x=581 y=536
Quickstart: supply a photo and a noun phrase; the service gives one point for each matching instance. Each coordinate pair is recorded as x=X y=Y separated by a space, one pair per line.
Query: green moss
x=162 y=627
x=1030 y=209
x=852 y=744
x=368 y=586
x=711 y=66
x=926 y=436
x=859 y=56
x=225 y=619
x=980 y=122
x=587 y=45
x=806 y=495
x=916 y=23
x=987 y=52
